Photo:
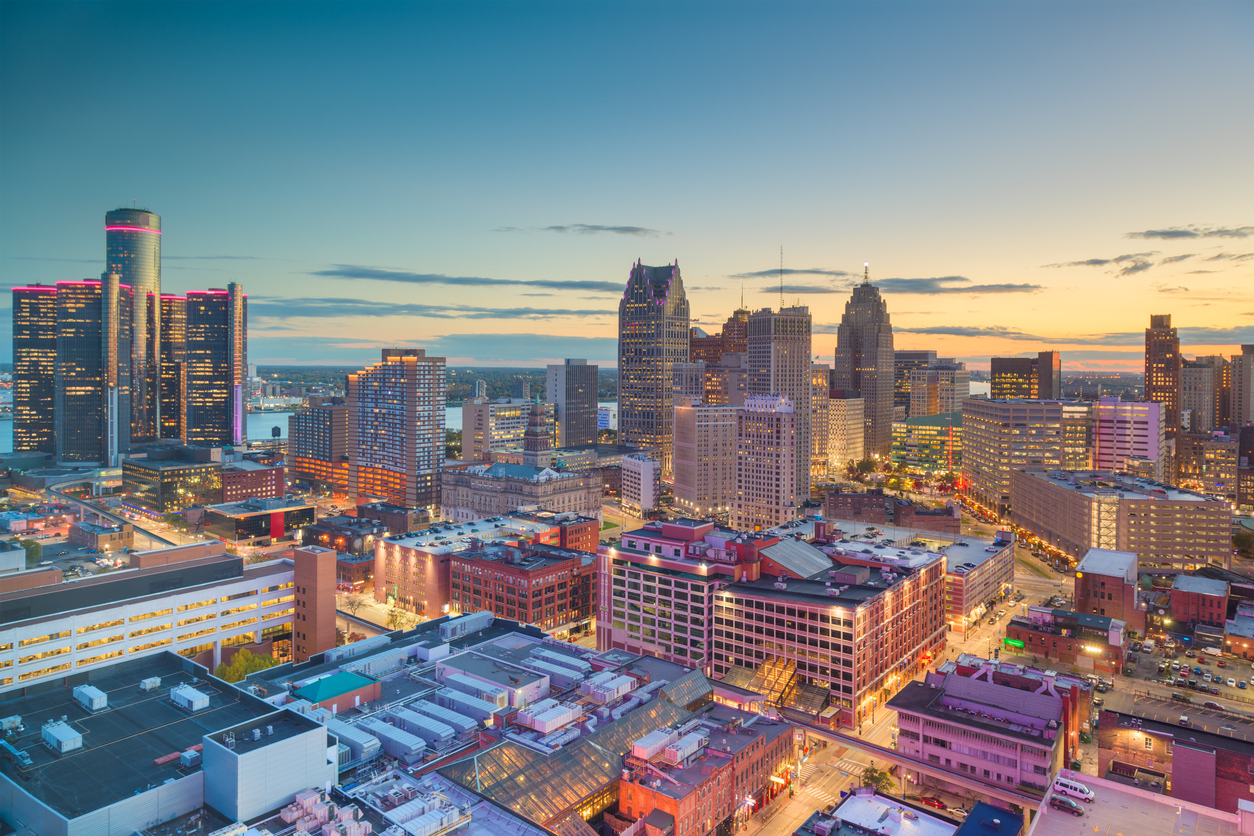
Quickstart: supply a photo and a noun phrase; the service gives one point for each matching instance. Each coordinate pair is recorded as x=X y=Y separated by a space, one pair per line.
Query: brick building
x=246 y=479
x=550 y=587
x=1092 y=643
x=574 y=532
x=1196 y=600
x=1105 y=584
x=105 y=538
x=873 y=506
x=314 y=577
x=354 y=572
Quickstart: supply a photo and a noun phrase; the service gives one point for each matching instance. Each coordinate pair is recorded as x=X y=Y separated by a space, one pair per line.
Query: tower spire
x=866 y=272
x=781 y=277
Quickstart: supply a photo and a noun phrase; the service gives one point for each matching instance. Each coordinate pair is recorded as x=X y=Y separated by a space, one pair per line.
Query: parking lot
x=1217 y=689
x=66 y=556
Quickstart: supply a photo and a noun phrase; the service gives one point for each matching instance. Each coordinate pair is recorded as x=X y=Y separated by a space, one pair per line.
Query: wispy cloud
x=950 y=284
x=1176 y=232
x=353 y=271
x=1175 y=258
x=278 y=308
x=1231 y=257
x=214 y=258
x=1000 y=331
x=794 y=271
x=588 y=229
x=1126 y=265
x=804 y=288
x=50 y=258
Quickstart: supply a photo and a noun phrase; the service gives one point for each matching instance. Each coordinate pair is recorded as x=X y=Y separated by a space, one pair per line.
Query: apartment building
x=994 y=733
x=768 y=444
x=1073 y=511
x=317 y=443
x=1090 y=643
x=846 y=428
x=820 y=423
x=705 y=458
x=999 y=437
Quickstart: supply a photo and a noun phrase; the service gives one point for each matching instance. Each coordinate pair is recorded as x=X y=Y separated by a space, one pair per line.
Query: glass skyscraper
x=865 y=363
x=173 y=364
x=133 y=253
x=216 y=360
x=34 y=367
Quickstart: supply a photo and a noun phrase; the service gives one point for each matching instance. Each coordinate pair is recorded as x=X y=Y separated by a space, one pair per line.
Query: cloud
x=588 y=229
x=950 y=284
x=1231 y=257
x=1206 y=335
x=352 y=271
x=794 y=271
x=804 y=288
x=278 y=308
x=1174 y=258
x=214 y=258
x=973 y=331
x=1128 y=264
x=1177 y=232
x=50 y=258
x=524 y=349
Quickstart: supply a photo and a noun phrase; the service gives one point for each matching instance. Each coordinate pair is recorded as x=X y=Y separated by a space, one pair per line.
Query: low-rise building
x=245 y=479
x=576 y=533
x=104 y=538
x=1132 y=800
x=479 y=491
x=1198 y=600
x=929 y=444
x=353 y=572
x=1106 y=584
x=257 y=521
x=168 y=485
x=353 y=535
x=1091 y=643
x=551 y=587
x=396 y=518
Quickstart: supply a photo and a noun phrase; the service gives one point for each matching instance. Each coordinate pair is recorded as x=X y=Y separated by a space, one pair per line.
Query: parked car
x=1189 y=654
x=1231 y=683
x=1221 y=664
x=933 y=801
x=1059 y=802
x=1241 y=685
x=1206 y=677
x=1214 y=705
x=1097 y=702
x=1197 y=671
x=1214 y=690
x=959 y=813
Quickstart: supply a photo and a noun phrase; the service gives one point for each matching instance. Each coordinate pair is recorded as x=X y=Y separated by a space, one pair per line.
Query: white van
x=1148 y=647
x=1075 y=789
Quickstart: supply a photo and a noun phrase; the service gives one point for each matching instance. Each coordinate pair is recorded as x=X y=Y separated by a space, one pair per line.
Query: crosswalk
x=821 y=795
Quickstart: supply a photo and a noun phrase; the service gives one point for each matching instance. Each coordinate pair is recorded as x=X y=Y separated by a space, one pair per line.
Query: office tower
x=727 y=381
x=704 y=347
x=497 y=425
x=820 y=422
x=481 y=389
x=780 y=364
x=1242 y=404
x=92 y=401
x=929 y=444
x=999 y=436
x=1162 y=369
x=904 y=362
x=317 y=443
x=652 y=337
x=865 y=363
x=133 y=253
x=526 y=390
x=1197 y=396
x=34 y=368
x=732 y=338
x=736 y=332
x=705 y=457
x=767 y=450
x=396 y=428
x=173 y=364
x=1038 y=377
x=939 y=389
x=1221 y=376
x=846 y=428
x=689 y=381
x=1124 y=430
x=571 y=387
x=216 y=358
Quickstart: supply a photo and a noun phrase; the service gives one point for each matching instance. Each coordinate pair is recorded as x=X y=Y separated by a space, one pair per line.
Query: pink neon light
x=132 y=229
x=172 y=296
x=37 y=289
x=206 y=292
x=78 y=283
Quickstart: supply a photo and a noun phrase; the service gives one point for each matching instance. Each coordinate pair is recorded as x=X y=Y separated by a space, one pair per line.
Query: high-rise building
x=173 y=364
x=92 y=402
x=34 y=368
x=904 y=362
x=1221 y=376
x=496 y=425
x=653 y=335
x=317 y=443
x=999 y=436
x=780 y=365
x=939 y=389
x=1124 y=430
x=1242 y=408
x=572 y=389
x=846 y=428
x=705 y=458
x=642 y=483
x=396 y=428
x=133 y=253
x=689 y=381
x=1036 y=378
x=731 y=339
x=820 y=422
x=865 y=362
x=216 y=361
x=931 y=443
x=767 y=450
x=481 y=389
x=727 y=381
x=1198 y=397
x=1162 y=369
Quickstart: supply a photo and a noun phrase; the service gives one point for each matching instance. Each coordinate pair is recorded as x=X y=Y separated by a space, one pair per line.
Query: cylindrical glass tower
x=133 y=252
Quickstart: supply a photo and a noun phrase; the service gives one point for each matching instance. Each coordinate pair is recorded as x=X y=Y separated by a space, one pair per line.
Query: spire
x=866 y=272
x=781 y=277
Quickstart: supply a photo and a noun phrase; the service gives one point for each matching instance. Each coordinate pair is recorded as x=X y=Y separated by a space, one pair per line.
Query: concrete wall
x=244 y=786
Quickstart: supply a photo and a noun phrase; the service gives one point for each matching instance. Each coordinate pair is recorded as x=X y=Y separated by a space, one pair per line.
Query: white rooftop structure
x=892 y=544
x=445 y=538
x=877 y=814
x=1110 y=564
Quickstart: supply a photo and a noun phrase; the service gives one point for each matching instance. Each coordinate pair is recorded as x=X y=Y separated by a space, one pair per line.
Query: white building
x=1129 y=429
x=846 y=431
x=767 y=448
x=642 y=482
x=705 y=457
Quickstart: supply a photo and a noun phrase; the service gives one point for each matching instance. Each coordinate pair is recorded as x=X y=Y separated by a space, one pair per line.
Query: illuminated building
x=653 y=335
x=780 y=364
x=173 y=364
x=846 y=428
x=494 y=425
x=1034 y=378
x=571 y=387
x=767 y=449
x=939 y=389
x=904 y=363
x=34 y=368
x=133 y=253
x=1162 y=370
x=317 y=443
x=1125 y=430
x=865 y=363
x=929 y=444
x=216 y=363
x=820 y=422
x=396 y=428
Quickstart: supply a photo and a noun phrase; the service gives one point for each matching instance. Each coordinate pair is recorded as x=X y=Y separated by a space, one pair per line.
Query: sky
x=477 y=179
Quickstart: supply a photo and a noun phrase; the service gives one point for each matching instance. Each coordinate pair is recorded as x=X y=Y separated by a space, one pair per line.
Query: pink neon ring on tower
x=132 y=229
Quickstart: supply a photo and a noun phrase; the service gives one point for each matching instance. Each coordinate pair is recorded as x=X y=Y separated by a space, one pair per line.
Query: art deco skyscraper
x=396 y=428
x=865 y=362
x=34 y=367
x=767 y=454
x=653 y=322
x=133 y=253
x=779 y=364
x=1162 y=369
x=216 y=362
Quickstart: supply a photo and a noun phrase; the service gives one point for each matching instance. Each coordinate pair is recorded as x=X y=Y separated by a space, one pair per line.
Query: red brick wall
x=1194 y=607
x=581 y=536
x=313 y=626
x=29 y=579
x=243 y=484
x=860 y=507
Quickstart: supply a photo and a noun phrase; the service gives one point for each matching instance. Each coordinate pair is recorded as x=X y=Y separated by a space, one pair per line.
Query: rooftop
x=330 y=687
x=1202 y=586
x=1109 y=563
x=258 y=505
x=527 y=559
x=1090 y=482
x=984 y=819
x=488 y=669
x=978 y=704
x=1221 y=729
x=501 y=470
x=121 y=742
x=443 y=538
x=871 y=813
x=1133 y=812
x=897 y=544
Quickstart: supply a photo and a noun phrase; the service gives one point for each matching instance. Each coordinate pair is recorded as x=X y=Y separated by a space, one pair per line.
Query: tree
x=878 y=778
x=34 y=551
x=453 y=444
x=353 y=603
x=399 y=619
x=1243 y=541
x=242 y=664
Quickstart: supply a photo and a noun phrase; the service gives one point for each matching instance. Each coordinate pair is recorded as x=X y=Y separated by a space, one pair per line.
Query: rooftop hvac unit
x=91 y=697
x=11 y=723
x=187 y=759
x=188 y=698
x=60 y=737
x=152 y=683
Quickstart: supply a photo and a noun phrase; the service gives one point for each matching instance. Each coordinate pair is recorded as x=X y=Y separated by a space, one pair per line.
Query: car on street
x=1214 y=705
x=1097 y=702
x=1231 y=683
x=1213 y=690
x=1060 y=802
x=933 y=801
x=959 y=813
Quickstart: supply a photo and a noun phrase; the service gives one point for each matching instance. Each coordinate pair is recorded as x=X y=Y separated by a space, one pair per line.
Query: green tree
x=1243 y=541
x=34 y=551
x=453 y=444
x=878 y=778
x=242 y=664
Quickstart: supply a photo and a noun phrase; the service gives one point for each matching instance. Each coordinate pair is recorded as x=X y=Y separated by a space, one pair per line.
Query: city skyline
x=990 y=162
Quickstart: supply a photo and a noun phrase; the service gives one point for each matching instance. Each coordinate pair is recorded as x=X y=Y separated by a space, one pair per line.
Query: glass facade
x=233 y=528
x=92 y=401
x=166 y=488
x=173 y=364
x=133 y=253
x=216 y=360
x=34 y=368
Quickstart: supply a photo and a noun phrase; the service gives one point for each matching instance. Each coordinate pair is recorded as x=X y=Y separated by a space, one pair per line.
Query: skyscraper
x=653 y=322
x=1124 y=430
x=767 y=452
x=1198 y=397
x=133 y=253
x=572 y=389
x=34 y=368
x=1241 y=409
x=903 y=363
x=173 y=364
x=1038 y=377
x=820 y=422
x=939 y=389
x=865 y=362
x=216 y=361
x=1162 y=369
x=396 y=428
x=317 y=443
x=780 y=364
x=92 y=401
x=705 y=457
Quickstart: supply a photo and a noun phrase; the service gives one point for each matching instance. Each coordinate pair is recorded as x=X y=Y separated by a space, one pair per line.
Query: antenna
x=866 y=272
x=781 y=277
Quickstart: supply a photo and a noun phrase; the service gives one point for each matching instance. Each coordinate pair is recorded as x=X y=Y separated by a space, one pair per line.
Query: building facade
x=653 y=321
x=172 y=391
x=705 y=458
x=133 y=254
x=478 y=491
x=846 y=418
x=550 y=587
x=932 y=444
x=1163 y=364
x=780 y=364
x=904 y=363
x=492 y=425
x=1198 y=397
x=642 y=483
x=939 y=389
x=1032 y=378
x=767 y=450
x=572 y=389
x=820 y=423
x=216 y=364
x=1124 y=430
x=865 y=363
x=317 y=443
x=34 y=368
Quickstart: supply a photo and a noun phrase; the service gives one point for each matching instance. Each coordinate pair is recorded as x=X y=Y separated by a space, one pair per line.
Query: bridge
x=88 y=510
x=1024 y=800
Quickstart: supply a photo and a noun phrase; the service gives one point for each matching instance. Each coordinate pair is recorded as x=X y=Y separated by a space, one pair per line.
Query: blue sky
x=1019 y=175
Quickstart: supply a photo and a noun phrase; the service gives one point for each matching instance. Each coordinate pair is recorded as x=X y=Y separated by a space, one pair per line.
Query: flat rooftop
x=520 y=558
x=443 y=538
x=977 y=704
x=1202 y=586
x=875 y=813
x=1133 y=812
x=1222 y=729
x=1090 y=482
x=897 y=544
x=1108 y=563
x=487 y=668
x=248 y=507
x=120 y=742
